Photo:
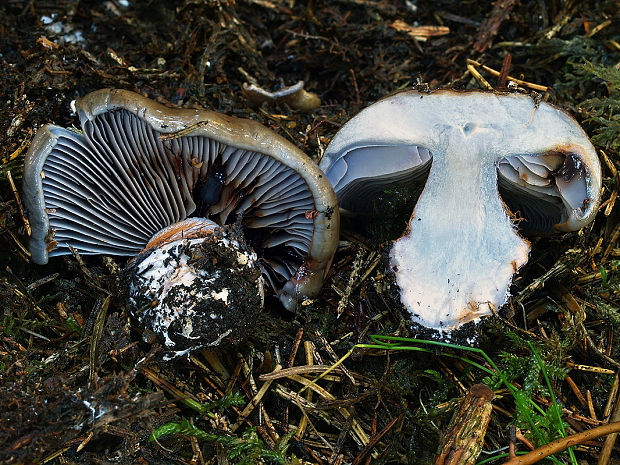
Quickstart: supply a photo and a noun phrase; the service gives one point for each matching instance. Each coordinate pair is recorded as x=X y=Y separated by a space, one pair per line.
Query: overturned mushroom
x=139 y=167
x=457 y=258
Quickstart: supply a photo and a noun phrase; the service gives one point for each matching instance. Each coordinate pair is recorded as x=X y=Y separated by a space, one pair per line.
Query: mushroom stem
x=195 y=285
x=467 y=251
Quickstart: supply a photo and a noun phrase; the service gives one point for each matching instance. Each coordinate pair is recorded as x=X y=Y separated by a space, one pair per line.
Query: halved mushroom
x=457 y=258
x=138 y=167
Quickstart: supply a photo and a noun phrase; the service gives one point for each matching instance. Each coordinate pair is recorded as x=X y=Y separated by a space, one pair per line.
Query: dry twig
x=564 y=443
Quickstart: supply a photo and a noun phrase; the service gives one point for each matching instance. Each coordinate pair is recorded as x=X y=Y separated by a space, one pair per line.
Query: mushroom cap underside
x=138 y=167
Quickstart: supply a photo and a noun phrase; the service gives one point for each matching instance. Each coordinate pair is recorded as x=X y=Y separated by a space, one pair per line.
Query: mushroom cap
x=456 y=260
x=393 y=141
x=139 y=166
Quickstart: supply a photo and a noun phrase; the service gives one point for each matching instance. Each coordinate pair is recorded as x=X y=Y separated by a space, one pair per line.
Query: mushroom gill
x=138 y=167
x=364 y=171
x=544 y=190
x=492 y=160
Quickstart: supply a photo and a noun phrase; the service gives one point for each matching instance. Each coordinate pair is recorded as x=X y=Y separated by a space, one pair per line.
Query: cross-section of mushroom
x=138 y=167
x=456 y=260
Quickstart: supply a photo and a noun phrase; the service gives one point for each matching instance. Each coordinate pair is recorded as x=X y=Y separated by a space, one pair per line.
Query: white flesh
x=456 y=261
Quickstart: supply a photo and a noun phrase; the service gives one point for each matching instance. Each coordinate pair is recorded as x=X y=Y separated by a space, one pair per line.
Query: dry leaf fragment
x=420 y=32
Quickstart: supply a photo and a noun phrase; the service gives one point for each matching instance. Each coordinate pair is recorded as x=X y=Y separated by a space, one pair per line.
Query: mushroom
x=138 y=167
x=294 y=96
x=455 y=262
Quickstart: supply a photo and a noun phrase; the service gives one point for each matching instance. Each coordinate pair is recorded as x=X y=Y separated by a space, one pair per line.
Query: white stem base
x=456 y=261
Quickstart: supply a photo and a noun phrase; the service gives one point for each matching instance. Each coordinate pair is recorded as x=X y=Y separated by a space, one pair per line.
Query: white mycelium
x=185 y=302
